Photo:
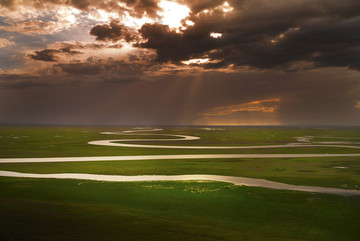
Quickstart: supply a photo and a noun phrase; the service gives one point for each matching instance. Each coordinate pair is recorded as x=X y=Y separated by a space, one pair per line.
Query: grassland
x=34 y=209
x=301 y=171
x=65 y=141
x=74 y=210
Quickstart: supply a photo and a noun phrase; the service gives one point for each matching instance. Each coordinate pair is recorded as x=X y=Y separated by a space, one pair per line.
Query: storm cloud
x=265 y=35
x=50 y=55
x=112 y=32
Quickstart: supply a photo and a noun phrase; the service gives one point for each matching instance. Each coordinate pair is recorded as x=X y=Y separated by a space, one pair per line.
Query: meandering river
x=231 y=179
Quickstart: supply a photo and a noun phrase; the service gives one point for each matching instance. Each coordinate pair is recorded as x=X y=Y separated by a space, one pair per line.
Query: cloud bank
x=281 y=61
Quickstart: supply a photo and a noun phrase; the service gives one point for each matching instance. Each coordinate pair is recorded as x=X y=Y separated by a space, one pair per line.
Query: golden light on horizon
x=236 y=122
x=357 y=105
x=259 y=112
x=266 y=106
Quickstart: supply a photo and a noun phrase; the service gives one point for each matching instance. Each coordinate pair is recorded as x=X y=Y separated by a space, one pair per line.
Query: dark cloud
x=7 y=3
x=50 y=55
x=81 y=4
x=114 y=31
x=173 y=46
x=108 y=68
x=47 y=55
x=265 y=34
x=141 y=7
x=257 y=33
x=200 y=5
x=83 y=46
x=67 y=49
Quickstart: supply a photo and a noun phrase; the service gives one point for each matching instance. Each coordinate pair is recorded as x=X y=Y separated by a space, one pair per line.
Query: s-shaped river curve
x=235 y=180
x=191 y=138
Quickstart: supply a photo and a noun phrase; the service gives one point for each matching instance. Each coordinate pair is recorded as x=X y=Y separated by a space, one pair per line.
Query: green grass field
x=75 y=210
x=66 y=141
x=302 y=171
x=45 y=209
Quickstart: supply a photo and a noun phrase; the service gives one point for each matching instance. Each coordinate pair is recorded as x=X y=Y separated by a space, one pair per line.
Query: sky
x=180 y=62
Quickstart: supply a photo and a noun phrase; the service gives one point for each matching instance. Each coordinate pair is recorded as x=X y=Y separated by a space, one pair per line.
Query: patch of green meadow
x=34 y=209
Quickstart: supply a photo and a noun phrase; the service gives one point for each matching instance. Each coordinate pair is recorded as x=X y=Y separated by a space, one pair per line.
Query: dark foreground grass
x=33 y=209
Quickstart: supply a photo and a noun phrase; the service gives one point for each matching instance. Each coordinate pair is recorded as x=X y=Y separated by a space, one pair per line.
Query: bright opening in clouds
x=196 y=61
x=173 y=13
x=226 y=7
x=216 y=35
x=190 y=23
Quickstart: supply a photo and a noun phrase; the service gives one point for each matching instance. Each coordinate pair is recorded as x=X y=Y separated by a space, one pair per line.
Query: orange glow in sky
x=267 y=106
